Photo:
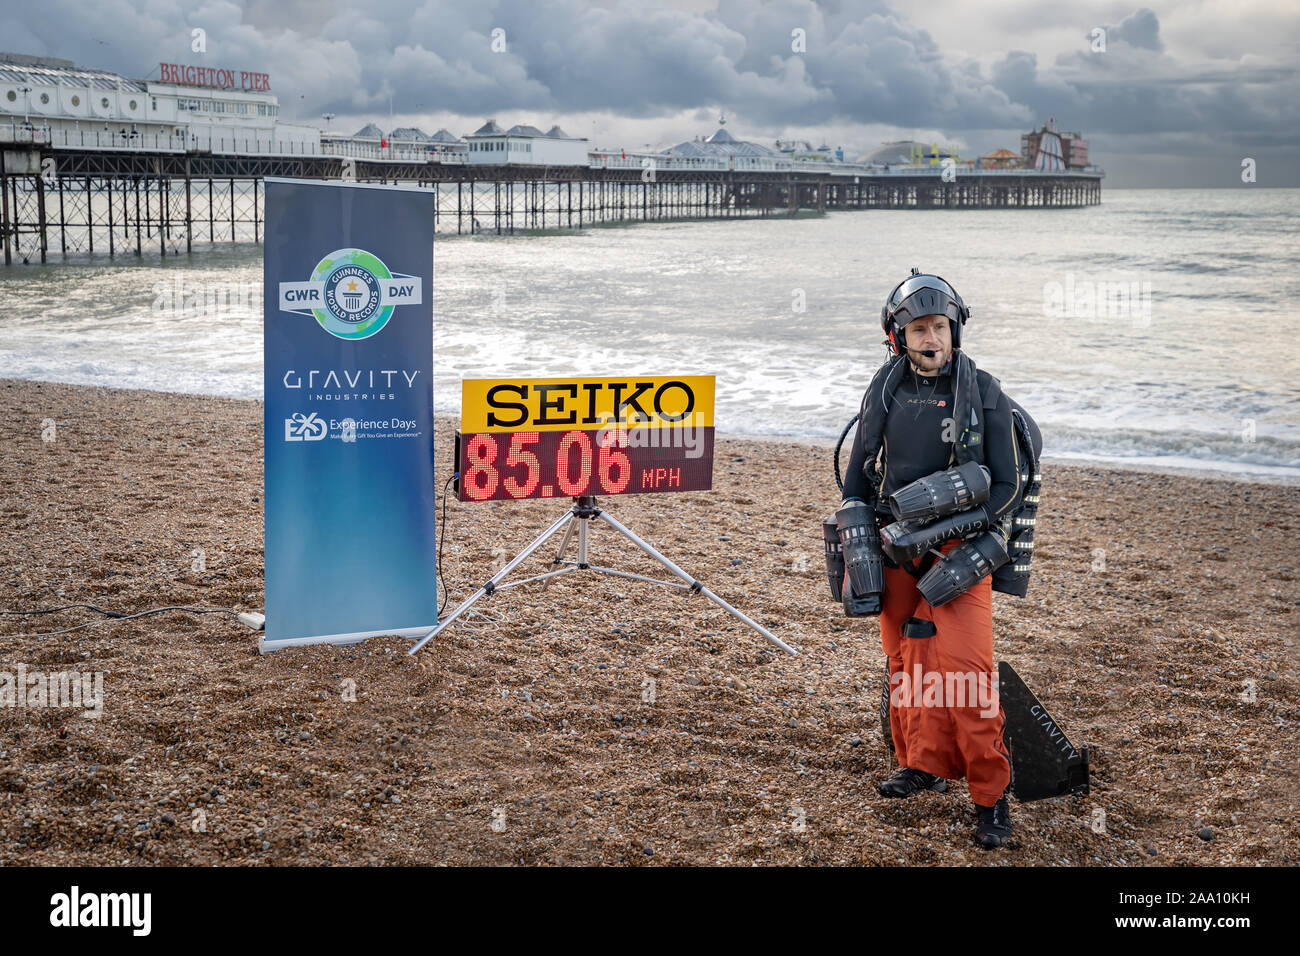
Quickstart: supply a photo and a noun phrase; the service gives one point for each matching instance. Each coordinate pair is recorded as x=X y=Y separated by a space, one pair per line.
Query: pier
x=73 y=200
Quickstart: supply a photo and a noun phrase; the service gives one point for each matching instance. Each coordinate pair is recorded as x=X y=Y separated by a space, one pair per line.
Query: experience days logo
x=351 y=293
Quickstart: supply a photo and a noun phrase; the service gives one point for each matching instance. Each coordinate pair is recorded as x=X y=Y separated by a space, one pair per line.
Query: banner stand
x=578 y=518
x=349 y=506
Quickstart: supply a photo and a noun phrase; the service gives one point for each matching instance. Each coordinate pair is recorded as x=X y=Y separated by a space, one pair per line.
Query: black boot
x=908 y=781
x=995 y=824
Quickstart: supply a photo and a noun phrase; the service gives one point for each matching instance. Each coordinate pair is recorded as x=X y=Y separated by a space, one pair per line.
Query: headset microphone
x=928 y=353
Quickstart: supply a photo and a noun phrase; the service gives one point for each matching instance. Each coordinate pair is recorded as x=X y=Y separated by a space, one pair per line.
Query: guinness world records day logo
x=352 y=293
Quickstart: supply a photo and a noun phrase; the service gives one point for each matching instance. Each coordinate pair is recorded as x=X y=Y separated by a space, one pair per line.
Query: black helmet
x=922 y=294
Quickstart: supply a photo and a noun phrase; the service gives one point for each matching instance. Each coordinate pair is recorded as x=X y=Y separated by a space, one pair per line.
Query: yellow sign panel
x=558 y=404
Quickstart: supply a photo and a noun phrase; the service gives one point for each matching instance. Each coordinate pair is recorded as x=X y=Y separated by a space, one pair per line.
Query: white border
x=265 y=647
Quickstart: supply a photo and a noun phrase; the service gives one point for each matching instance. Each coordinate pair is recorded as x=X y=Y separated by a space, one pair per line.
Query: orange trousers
x=941 y=721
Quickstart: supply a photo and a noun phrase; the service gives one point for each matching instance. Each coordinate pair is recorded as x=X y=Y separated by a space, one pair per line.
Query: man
x=925 y=412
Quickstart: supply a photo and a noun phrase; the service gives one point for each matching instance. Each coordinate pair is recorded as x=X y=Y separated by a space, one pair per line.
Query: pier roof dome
x=721 y=145
x=409 y=133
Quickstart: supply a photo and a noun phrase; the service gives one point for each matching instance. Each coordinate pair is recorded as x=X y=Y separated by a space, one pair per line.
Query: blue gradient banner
x=349 y=498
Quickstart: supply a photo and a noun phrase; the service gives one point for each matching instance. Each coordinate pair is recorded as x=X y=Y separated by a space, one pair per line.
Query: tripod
x=577 y=519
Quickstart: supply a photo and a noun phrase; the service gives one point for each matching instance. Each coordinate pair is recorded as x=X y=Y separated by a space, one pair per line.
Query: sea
x=1159 y=329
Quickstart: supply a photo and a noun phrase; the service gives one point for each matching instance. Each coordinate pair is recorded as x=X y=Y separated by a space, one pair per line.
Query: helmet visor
x=924 y=295
x=914 y=283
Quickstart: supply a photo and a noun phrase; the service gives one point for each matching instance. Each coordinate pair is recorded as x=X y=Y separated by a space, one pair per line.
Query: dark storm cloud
x=641 y=59
x=863 y=64
x=1136 y=89
x=1141 y=29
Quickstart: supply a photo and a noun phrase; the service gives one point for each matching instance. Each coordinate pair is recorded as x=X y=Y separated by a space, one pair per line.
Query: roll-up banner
x=349 y=497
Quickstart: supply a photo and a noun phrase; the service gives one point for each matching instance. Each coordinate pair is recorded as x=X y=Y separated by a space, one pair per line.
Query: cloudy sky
x=1170 y=94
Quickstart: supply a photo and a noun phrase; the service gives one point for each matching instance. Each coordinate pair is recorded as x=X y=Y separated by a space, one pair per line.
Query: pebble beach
x=609 y=721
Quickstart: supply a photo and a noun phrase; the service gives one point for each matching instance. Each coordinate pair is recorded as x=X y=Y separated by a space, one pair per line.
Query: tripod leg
x=559 y=554
x=696 y=585
x=494 y=581
x=752 y=623
x=564 y=544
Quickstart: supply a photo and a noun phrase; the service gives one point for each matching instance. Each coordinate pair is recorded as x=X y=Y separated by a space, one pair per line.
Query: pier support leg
x=4 y=190
x=138 y=250
x=40 y=210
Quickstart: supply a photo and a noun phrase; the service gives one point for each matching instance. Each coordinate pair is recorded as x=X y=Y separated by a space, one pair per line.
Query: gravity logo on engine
x=351 y=293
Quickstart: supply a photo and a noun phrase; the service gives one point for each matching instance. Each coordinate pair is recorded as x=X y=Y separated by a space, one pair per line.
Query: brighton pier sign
x=183 y=75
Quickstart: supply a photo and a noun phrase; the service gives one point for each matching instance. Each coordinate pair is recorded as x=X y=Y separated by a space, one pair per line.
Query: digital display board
x=552 y=438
